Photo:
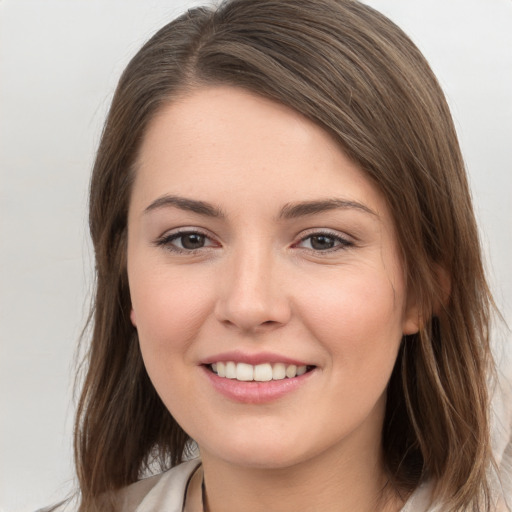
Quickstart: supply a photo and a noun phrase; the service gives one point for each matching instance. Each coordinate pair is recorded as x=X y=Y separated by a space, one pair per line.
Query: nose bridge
x=251 y=296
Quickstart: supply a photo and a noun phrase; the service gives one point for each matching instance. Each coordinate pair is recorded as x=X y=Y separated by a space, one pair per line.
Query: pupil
x=322 y=242
x=192 y=241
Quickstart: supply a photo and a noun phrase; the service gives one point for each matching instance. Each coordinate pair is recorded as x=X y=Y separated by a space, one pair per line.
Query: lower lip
x=253 y=392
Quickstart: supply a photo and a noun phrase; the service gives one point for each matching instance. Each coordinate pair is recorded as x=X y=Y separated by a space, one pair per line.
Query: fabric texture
x=166 y=493
x=160 y=493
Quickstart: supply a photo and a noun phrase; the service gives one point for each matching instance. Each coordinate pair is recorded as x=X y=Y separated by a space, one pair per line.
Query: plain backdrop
x=59 y=63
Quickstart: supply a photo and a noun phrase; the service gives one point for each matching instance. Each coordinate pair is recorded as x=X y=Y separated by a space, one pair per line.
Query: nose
x=252 y=296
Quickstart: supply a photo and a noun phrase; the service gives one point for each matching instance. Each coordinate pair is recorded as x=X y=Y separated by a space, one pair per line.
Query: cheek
x=169 y=309
x=358 y=318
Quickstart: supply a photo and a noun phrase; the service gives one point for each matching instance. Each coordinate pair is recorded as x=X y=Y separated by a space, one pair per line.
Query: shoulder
x=164 y=492
x=420 y=500
x=502 y=434
x=130 y=497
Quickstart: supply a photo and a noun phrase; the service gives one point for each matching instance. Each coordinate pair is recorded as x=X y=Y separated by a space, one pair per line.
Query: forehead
x=219 y=142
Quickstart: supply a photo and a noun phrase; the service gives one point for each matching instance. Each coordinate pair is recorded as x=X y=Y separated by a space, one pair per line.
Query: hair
x=353 y=72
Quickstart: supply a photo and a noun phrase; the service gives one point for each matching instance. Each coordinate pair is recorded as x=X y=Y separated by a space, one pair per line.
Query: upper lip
x=253 y=359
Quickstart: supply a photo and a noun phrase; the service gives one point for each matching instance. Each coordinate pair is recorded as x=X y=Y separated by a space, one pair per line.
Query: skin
x=260 y=283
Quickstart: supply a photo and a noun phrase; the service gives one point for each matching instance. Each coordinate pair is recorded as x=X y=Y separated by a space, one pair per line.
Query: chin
x=265 y=452
x=263 y=458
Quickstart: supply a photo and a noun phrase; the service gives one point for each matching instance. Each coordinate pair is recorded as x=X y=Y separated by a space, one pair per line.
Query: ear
x=413 y=319
x=133 y=318
x=413 y=316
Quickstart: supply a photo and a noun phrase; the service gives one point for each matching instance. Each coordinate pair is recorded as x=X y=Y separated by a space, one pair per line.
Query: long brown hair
x=353 y=72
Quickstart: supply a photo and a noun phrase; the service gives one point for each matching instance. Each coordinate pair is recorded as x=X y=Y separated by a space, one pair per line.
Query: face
x=266 y=285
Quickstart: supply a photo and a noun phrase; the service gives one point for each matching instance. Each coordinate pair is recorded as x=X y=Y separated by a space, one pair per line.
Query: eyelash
x=342 y=243
x=166 y=242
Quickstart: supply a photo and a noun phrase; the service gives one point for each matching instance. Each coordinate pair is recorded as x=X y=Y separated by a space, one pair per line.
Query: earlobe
x=132 y=318
x=413 y=318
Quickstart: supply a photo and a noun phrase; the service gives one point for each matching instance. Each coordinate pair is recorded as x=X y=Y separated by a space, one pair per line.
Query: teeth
x=221 y=369
x=301 y=370
x=291 y=371
x=278 y=371
x=231 y=370
x=244 y=371
x=263 y=372
x=260 y=372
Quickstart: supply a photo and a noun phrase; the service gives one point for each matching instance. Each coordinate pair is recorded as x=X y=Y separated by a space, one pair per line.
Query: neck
x=330 y=481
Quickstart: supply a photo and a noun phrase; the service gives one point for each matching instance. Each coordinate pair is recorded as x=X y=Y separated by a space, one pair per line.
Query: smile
x=264 y=372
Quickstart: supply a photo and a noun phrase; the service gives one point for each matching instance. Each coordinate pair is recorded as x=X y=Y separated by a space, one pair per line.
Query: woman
x=288 y=273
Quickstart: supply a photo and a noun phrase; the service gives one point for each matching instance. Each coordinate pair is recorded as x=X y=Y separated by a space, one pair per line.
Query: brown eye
x=322 y=242
x=192 y=241
x=186 y=242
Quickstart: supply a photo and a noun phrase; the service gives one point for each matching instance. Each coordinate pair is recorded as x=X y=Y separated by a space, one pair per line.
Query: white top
x=166 y=493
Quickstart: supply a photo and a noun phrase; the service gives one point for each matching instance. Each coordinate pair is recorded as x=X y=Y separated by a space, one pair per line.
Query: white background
x=59 y=62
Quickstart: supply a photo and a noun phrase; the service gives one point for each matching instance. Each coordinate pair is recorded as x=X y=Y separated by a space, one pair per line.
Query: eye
x=185 y=241
x=323 y=242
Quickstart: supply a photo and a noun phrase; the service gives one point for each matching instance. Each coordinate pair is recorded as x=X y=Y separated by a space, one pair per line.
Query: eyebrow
x=190 y=205
x=289 y=211
x=302 y=209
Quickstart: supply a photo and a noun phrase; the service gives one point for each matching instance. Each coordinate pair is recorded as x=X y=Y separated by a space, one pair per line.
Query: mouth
x=264 y=372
